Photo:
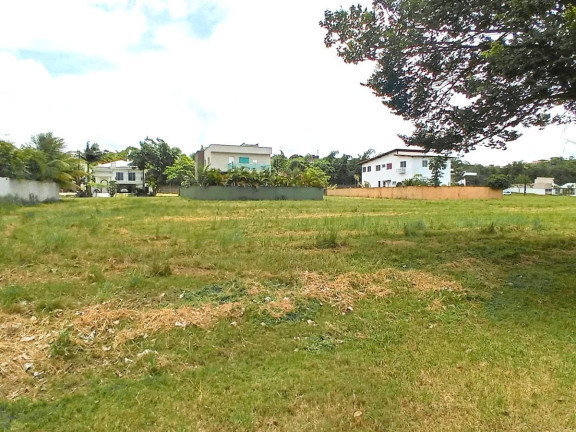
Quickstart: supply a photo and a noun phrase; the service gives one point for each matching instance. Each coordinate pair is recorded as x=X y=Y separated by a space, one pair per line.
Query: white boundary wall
x=28 y=190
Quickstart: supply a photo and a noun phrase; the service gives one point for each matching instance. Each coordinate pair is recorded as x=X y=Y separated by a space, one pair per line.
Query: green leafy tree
x=182 y=170
x=466 y=73
x=154 y=157
x=314 y=177
x=91 y=155
x=437 y=165
x=499 y=181
x=11 y=163
x=45 y=160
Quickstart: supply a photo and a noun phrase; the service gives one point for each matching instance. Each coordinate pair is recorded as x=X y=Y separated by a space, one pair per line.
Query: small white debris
x=146 y=352
x=33 y=319
x=180 y=324
x=233 y=323
x=28 y=366
x=181 y=295
x=116 y=322
x=27 y=338
x=310 y=322
x=127 y=360
x=268 y=299
x=349 y=309
x=263 y=324
x=106 y=348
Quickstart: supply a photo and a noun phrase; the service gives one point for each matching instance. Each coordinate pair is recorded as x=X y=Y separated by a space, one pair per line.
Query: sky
x=198 y=72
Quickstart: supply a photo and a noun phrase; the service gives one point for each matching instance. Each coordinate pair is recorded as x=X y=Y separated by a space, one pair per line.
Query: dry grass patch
x=341 y=291
x=27 y=343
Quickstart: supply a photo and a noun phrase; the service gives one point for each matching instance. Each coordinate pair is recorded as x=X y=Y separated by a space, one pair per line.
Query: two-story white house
x=127 y=178
x=226 y=157
x=395 y=166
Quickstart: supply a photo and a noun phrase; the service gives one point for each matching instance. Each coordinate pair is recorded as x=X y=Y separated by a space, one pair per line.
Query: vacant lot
x=348 y=314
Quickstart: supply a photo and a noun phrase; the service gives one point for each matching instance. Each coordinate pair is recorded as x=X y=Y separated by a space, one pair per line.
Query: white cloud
x=263 y=75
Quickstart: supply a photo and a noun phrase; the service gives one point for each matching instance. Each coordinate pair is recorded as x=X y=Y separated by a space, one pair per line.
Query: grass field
x=163 y=314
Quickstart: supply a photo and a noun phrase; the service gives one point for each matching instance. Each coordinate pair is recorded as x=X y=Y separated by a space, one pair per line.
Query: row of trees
x=562 y=170
x=44 y=158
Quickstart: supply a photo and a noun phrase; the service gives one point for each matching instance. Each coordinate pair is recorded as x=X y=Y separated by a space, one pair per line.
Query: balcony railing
x=249 y=166
x=401 y=170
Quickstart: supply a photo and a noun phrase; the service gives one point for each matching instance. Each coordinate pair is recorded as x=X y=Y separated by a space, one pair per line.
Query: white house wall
x=391 y=177
x=105 y=173
x=220 y=160
x=219 y=156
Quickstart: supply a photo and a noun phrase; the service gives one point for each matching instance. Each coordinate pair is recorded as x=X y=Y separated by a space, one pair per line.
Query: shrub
x=498 y=181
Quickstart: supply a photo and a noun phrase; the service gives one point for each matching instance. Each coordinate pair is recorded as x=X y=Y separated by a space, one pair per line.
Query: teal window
x=242 y=159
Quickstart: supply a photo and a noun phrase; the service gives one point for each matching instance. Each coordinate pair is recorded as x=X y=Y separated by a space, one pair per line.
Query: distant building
x=226 y=157
x=395 y=166
x=545 y=184
x=126 y=177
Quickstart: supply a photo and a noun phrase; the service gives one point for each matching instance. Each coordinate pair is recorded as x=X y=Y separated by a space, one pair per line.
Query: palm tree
x=90 y=155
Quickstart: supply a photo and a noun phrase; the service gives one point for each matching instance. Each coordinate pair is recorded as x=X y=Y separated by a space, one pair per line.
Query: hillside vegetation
x=162 y=314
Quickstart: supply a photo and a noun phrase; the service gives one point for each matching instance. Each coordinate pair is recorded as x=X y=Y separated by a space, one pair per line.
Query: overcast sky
x=196 y=72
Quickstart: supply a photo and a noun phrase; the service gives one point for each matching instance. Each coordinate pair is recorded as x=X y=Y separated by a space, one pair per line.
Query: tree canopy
x=466 y=73
x=154 y=156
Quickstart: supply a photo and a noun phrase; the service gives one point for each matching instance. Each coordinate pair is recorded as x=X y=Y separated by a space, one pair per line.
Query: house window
x=369 y=168
x=402 y=164
x=425 y=163
x=388 y=166
x=119 y=176
x=363 y=169
x=243 y=159
x=131 y=176
x=377 y=167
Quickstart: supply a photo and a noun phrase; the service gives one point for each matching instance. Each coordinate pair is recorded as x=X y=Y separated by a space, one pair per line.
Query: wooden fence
x=421 y=192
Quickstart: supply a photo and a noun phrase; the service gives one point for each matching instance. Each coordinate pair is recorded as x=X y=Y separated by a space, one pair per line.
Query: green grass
x=428 y=316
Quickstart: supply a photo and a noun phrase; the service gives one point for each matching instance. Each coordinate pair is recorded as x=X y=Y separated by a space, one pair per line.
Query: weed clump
x=414 y=228
x=328 y=240
x=160 y=269
x=63 y=346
